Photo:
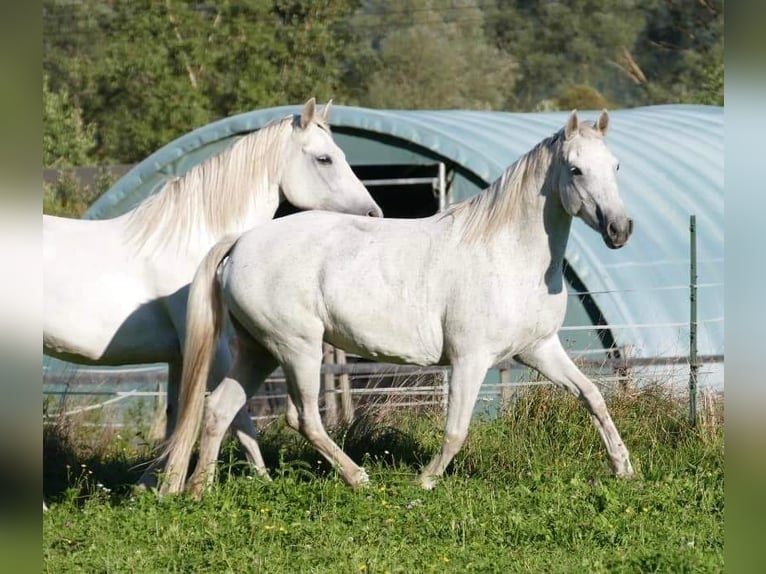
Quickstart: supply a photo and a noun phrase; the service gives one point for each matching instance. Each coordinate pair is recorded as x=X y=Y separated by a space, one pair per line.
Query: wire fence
x=395 y=386
x=350 y=382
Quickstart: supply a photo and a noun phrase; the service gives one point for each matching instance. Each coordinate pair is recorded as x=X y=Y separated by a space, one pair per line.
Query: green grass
x=530 y=492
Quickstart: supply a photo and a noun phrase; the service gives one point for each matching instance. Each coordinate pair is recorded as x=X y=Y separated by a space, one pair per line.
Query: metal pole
x=693 y=365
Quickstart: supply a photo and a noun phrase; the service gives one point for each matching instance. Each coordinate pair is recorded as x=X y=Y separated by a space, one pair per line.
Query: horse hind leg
x=226 y=402
x=552 y=361
x=291 y=416
x=302 y=371
x=466 y=380
x=242 y=426
x=247 y=435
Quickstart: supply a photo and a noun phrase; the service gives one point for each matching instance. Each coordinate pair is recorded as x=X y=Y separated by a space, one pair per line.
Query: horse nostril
x=630 y=226
x=611 y=230
x=375 y=212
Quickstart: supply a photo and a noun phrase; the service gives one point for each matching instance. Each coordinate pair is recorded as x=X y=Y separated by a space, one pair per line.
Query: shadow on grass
x=367 y=440
x=77 y=467
x=73 y=468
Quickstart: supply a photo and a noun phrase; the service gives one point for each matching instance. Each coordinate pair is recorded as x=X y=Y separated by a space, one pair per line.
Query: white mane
x=217 y=195
x=489 y=211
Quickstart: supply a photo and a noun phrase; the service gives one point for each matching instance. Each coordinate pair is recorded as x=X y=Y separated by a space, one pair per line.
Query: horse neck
x=232 y=193
x=540 y=232
x=533 y=233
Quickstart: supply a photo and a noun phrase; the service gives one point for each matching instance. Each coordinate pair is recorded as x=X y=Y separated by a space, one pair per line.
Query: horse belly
x=100 y=320
x=396 y=332
x=141 y=336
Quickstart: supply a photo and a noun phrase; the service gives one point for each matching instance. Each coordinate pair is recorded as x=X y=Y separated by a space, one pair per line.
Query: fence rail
x=345 y=387
x=98 y=377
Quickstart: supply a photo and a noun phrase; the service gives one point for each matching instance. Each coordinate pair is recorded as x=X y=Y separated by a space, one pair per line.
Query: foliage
x=68 y=196
x=67 y=140
x=563 y=44
x=429 y=54
x=124 y=78
x=148 y=72
x=528 y=493
x=680 y=52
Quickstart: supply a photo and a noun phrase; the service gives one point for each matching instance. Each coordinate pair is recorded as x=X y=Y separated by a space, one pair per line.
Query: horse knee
x=312 y=431
x=292 y=417
x=453 y=441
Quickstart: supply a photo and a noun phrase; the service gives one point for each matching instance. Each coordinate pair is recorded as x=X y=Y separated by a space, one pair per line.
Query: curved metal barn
x=671 y=166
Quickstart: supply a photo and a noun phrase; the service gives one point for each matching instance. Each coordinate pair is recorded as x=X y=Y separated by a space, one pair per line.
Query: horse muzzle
x=617 y=231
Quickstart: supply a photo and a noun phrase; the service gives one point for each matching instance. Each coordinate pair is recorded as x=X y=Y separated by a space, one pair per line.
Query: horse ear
x=602 y=124
x=572 y=124
x=307 y=115
x=326 y=110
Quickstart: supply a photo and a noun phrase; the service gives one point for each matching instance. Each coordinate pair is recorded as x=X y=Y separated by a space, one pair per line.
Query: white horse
x=116 y=290
x=468 y=287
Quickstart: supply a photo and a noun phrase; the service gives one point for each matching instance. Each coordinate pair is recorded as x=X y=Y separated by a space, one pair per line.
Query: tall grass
x=530 y=491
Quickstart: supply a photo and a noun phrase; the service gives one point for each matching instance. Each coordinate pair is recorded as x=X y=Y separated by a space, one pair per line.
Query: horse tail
x=205 y=314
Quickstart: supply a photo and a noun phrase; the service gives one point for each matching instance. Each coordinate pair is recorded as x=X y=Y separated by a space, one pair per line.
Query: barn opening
x=401 y=190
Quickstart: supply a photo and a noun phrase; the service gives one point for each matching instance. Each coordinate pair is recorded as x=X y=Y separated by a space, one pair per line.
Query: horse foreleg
x=173 y=394
x=552 y=361
x=149 y=477
x=302 y=371
x=467 y=377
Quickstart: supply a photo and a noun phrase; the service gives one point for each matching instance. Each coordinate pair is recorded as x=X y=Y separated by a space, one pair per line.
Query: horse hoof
x=625 y=471
x=427 y=482
x=361 y=479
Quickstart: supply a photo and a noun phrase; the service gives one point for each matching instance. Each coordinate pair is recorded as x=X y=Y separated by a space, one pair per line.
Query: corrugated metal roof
x=671 y=166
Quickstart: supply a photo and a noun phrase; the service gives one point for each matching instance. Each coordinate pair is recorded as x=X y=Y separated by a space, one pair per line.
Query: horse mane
x=216 y=195
x=486 y=213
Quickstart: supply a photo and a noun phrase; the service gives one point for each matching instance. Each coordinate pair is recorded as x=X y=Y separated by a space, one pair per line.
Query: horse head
x=587 y=180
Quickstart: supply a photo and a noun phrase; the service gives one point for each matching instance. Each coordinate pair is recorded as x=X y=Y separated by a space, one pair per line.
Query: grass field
x=530 y=492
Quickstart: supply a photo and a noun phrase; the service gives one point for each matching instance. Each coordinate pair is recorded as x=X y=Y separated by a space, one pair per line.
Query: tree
x=67 y=140
x=559 y=45
x=147 y=72
x=680 y=51
x=428 y=54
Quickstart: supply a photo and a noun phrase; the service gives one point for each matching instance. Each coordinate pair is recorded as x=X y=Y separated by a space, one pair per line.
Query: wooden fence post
x=347 y=404
x=505 y=388
x=331 y=405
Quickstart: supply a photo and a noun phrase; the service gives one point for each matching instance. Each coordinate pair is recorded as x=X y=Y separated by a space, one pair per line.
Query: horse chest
x=517 y=321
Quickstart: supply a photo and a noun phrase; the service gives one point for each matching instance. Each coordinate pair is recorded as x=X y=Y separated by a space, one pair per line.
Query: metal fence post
x=693 y=365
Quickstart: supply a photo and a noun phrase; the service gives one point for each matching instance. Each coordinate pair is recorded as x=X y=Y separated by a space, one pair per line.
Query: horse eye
x=575 y=170
x=618 y=167
x=324 y=159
